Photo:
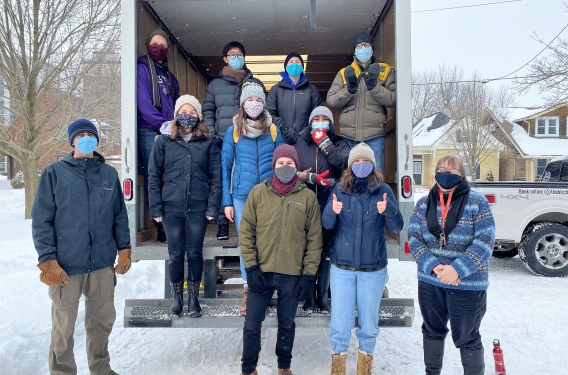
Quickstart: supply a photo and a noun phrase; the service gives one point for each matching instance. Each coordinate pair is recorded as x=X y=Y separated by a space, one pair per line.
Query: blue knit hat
x=81 y=125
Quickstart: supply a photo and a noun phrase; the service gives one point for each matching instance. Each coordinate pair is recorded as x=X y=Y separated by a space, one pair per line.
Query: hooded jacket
x=150 y=117
x=184 y=176
x=363 y=114
x=222 y=100
x=291 y=105
x=78 y=216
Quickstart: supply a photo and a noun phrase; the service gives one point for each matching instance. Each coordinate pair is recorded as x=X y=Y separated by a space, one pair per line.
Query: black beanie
x=81 y=125
x=290 y=55
x=363 y=36
x=232 y=45
x=157 y=32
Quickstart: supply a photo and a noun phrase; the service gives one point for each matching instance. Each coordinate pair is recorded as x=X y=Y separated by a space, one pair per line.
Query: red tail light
x=127 y=189
x=406 y=186
x=490 y=198
x=406 y=248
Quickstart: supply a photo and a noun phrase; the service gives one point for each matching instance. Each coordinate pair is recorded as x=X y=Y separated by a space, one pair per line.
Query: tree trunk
x=31 y=179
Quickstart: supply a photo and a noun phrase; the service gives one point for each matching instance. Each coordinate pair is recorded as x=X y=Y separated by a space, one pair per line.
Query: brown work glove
x=124 y=261
x=51 y=274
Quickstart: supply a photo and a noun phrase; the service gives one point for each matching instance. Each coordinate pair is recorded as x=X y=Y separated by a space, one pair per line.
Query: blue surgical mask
x=363 y=54
x=294 y=70
x=447 y=180
x=86 y=144
x=236 y=62
x=320 y=125
x=362 y=170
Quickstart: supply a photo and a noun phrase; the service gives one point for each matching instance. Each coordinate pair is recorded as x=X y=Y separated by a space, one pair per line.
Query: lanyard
x=445 y=209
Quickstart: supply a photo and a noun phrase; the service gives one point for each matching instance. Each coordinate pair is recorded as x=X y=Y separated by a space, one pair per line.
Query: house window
x=547 y=127
x=489 y=128
x=3 y=165
x=417 y=172
x=540 y=166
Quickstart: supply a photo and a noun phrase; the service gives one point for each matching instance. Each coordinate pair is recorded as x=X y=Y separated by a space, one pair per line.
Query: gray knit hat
x=361 y=150
x=188 y=99
x=252 y=89
x=322 y=111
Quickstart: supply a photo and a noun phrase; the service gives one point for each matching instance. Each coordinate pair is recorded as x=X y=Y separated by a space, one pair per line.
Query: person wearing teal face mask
x=291 y=100
x=362 y=91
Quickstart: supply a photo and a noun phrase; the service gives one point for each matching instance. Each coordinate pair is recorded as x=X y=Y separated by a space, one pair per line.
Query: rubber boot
x=161 y=233
x=193 y=307
x=177 y=293
x=323 y=285
x=243 y=307
x=473 y=361
x=433 y=356
x=364 y=363
x=338 y=364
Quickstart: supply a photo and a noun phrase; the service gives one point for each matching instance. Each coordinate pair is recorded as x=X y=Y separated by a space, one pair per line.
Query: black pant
x=463 y=308
x=185 y=233
x=257 y=304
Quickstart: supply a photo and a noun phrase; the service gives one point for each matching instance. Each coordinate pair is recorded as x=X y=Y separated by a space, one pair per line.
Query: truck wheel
x=505 y=251
x=544 y=250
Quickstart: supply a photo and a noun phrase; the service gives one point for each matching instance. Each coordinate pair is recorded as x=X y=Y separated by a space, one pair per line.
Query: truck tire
x=544 y=249
x=505 y=251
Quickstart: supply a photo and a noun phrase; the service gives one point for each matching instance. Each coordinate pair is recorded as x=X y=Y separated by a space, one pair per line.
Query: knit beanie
x=157 y=32
x=252 y=89
x=285 y=151
x=361 y=150
x=188 y=99
x=322 y=111
x=81 y=125
x=290 y=55
x=363 y=36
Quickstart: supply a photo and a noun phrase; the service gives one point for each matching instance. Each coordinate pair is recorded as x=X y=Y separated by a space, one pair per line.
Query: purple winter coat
x=150 y=117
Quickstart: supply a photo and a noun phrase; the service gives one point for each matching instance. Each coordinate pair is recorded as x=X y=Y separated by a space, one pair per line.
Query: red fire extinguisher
x=498 y=356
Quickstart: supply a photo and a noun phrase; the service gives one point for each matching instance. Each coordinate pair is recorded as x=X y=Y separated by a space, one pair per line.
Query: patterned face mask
x=362 y=170
x=253 y=108
x=187 y=121
x=285 y=173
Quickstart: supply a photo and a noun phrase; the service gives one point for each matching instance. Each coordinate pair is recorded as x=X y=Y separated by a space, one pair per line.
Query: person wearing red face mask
x=157 y=92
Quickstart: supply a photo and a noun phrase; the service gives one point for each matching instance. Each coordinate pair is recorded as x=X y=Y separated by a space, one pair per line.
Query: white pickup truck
x=531 y=219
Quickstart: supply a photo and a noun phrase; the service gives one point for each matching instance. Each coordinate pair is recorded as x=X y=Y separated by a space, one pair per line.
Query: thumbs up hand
x=382 y=205
x=336 y=205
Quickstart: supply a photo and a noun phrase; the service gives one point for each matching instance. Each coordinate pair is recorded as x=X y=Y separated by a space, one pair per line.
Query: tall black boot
x=193 y=307
x=177 y=293
x=161 y=233
x=433 y=356
x=323 y=285
x=473 y=361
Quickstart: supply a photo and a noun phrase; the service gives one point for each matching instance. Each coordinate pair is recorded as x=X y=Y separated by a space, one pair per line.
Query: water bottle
x=498 y=356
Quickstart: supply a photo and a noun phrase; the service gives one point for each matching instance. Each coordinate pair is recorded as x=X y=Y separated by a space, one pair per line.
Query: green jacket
x=363 y=114
x=281 y=234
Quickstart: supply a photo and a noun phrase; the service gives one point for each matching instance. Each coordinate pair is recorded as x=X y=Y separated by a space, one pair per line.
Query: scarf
x=360 y=185
x=282 y=188
x=459 y=199
x=156 y=100
x=237 y=75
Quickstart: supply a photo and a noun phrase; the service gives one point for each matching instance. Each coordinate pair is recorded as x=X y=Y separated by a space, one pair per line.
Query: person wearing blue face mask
x=451 y=235
x=359 y=208
x=362 y=91
x=222 y=101
x=291 y=100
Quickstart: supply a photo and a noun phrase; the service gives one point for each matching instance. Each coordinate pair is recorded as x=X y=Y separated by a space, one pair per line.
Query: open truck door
x=198 y=31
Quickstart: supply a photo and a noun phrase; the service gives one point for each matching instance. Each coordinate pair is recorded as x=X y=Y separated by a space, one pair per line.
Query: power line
x=466 y=6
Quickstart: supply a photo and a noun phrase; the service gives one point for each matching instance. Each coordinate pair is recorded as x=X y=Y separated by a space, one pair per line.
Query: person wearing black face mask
x=157 y=91
x=451 y=236
x=185 y=192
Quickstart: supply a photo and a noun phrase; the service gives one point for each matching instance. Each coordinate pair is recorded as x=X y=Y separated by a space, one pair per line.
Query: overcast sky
x=493 y=40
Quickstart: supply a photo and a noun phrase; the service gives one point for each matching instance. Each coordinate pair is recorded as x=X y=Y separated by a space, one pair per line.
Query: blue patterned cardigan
x=468 y=248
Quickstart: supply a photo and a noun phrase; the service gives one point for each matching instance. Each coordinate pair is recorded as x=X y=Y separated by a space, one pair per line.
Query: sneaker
x=223 y=232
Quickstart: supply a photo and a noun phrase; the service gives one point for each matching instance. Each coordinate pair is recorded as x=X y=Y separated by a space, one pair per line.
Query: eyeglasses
x=361 y=45
x=452 y=171
x=233 y=55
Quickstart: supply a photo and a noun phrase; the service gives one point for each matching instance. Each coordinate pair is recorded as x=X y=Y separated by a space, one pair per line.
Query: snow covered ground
x=527 y=313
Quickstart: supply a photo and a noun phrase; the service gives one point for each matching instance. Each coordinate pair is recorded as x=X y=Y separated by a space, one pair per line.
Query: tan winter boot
x=338 y=364
x=364 y=363
x=243 y=308
x=284 y=371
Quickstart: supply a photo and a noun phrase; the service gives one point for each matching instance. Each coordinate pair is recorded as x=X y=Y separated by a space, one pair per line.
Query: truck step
x=224 y=313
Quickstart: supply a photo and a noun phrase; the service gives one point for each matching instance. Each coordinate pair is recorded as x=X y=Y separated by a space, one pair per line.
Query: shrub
x=18 y=181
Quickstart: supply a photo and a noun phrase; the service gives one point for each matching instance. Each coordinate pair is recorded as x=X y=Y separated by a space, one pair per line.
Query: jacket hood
x=166 y=128
x=287 y=81
x=99 y=159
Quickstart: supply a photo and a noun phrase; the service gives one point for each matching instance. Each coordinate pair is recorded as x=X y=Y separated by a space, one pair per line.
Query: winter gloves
x=255 y=278
x=371 y=79
x=289 y=135
x=52 y=274
x=320 y=138
x=124 y=261
x=351 y=79
x=320 y=179
x=305 y=287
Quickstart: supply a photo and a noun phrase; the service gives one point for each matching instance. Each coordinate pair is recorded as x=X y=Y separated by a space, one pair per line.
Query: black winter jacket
x=78 y=216
x=184 y=176
x=292 y=107
x=221 y=102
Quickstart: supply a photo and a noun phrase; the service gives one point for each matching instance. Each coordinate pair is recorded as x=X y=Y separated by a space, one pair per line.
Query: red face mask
x=157 y=52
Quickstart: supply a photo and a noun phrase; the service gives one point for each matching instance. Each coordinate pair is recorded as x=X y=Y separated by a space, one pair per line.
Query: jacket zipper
x=258 y=159
x=316 y=171
x=294 y=117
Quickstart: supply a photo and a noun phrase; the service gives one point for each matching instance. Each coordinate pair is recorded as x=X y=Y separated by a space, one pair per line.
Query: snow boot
x=385 y=292
x=252 y=373
x=193 y=307
x=338 y=364
x=433 y=356
x=472 y=361
x=223 y=232
x=309 y=304
x=323 y=286
x=161 y=233
x=364 y=363
x=284 y=371
x=177 y=293
x=243 y=308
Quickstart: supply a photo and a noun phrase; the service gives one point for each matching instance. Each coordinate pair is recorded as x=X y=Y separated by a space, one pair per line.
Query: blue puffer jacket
x=252 y=159
x=360 y=239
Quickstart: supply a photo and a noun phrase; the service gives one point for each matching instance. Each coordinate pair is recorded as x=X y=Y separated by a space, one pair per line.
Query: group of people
x=310 y=207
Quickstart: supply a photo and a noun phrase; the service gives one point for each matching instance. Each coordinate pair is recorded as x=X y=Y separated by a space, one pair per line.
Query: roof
x=532 y=146
x=426 y=132
x=527 y=114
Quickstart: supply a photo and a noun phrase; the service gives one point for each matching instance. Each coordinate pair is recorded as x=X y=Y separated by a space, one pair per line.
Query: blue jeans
x=350 y=290
x=377 y=144
x=286 y=306
x=145 y=144
x=238 y=207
